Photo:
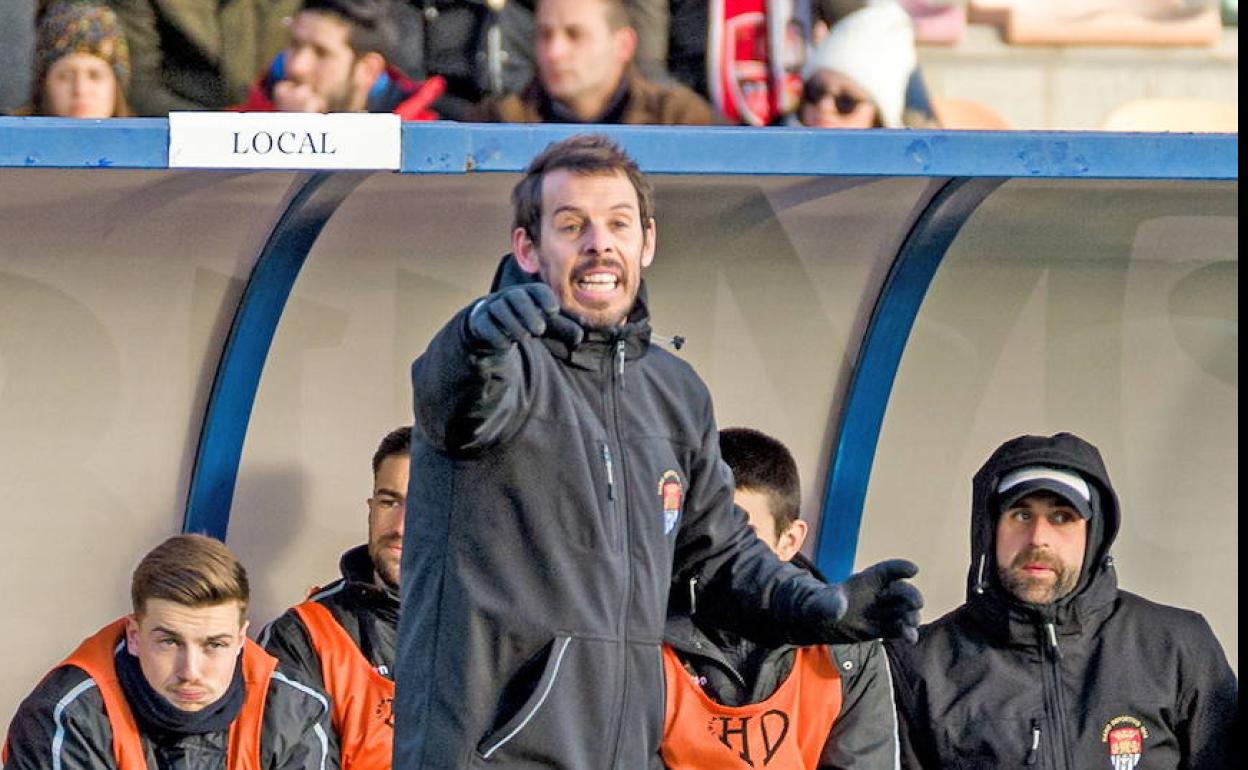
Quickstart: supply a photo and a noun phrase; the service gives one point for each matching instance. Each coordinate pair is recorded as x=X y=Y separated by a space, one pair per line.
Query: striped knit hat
x=74 y=26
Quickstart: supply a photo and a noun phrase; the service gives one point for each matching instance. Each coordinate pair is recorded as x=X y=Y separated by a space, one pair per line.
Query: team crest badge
x=1124 y=737
x=672 y=493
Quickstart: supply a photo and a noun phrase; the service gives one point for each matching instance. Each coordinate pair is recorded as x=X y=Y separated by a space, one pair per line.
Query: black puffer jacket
x=997 y=683
x=539 y=555
x=62 y=725
x=368 y=613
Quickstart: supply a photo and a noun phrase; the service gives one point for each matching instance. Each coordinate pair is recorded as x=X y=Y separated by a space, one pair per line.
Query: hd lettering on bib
x=755 y=739
x=284 y=140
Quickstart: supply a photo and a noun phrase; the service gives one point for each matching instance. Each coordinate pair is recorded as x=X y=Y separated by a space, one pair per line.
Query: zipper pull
x=693 y=595
x=1051 y=633
x=619 y=361
x=606 y=459
x=1034 y=751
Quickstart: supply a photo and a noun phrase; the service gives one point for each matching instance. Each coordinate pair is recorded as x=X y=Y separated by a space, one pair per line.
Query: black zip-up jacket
x=1086 y=682
x=368 y=613
x=735 y=671
x=539 y=556
x=62 y=725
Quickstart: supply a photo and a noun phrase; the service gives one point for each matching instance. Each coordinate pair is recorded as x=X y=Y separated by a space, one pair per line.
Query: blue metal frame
x=457 y=148
x=70 y=143
x=228 y=414
x=448 y=148
x=858 y=434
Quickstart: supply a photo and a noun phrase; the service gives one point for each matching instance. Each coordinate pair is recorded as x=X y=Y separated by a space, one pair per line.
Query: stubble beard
x=387 y=569
x=1038 y=590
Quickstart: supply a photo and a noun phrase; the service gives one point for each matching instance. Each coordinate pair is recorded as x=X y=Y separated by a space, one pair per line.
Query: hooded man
x=1048 y=664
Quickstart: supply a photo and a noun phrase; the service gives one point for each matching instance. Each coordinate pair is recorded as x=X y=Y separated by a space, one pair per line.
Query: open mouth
x=597 y=283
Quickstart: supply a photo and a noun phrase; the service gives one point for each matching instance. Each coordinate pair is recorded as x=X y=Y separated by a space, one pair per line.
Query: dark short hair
x=396 y=442
x=618 y=15
x=760 y=463
x=191 y=570
x=583 y=154
x=372 y=23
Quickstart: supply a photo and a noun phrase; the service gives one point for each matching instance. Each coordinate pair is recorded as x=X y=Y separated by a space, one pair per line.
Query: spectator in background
x=199 y=54
x=585 y=52
x=337 y=61
x=856 y=77
x=82 y=65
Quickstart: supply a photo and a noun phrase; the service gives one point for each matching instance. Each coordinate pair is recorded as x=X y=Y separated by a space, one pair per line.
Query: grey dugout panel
x=222 y=350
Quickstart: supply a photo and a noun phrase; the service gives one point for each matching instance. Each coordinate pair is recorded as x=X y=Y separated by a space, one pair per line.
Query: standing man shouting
x=342 y=638
x=565 y=471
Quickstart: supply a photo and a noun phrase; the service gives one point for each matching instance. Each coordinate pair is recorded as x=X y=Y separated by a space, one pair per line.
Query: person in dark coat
x=341 y=639
x=1049 y=664
x=827 y=707
x=565 y=475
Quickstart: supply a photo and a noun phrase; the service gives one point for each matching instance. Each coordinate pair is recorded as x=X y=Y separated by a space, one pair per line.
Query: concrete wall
x=1075 y=88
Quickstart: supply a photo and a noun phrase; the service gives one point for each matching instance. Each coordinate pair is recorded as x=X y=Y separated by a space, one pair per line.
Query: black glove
x=882 y=604
x=876 y=603
x=528 y=310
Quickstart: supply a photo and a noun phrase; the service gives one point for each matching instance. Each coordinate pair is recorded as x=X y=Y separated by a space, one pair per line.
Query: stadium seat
x=1102 y=22
x=936 y=22
x=967 y=114
x=1179 y=115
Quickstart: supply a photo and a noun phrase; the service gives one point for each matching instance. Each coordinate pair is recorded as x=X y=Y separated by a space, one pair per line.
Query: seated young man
x=734 y=704
x=174 y=686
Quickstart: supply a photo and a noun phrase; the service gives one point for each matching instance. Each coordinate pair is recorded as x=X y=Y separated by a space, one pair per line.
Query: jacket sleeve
x=1208 y=703
x=287 y=640
x=466 y=400
x=916 y=744
x=61 y=724
x=864 y=735
x=729 y=574
x=148 y=94
x=297 y=731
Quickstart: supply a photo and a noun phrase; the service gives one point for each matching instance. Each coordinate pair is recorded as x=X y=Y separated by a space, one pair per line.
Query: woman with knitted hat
x=856 y=77
x=82 y=62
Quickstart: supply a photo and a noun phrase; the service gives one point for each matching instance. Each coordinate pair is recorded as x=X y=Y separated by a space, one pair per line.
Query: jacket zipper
x=1034 y=751
x=1055 y=705
x=616 y=376
x=606 y=460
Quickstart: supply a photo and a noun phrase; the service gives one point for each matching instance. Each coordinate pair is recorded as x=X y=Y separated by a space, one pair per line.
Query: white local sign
x=286 y=140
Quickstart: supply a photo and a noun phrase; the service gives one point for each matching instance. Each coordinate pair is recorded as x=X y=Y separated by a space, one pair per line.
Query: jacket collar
x=359 y=578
